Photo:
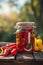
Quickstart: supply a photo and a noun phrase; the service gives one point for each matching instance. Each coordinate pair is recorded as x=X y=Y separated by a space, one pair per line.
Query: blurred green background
x=13 y=11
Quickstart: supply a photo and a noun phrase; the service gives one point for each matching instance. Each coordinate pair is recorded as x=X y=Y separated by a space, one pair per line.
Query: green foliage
x=29 y=12
x=7 y=36
x=37 y=7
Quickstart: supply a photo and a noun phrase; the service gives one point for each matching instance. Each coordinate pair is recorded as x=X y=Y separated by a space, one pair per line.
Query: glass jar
x=25 y=36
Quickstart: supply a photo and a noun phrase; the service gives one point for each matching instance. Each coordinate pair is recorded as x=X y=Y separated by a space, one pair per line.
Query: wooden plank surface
x=8 y=57
x=24 y=56
x=22 y=59
x=38 y=56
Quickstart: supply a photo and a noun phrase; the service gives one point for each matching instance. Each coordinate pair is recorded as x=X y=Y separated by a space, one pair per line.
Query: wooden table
x=22 y=59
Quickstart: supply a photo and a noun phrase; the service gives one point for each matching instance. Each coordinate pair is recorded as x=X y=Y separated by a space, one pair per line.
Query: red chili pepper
x=21 y=34
x=29 y=30
x=10 y=46
x=20 y=47
x=26 y=34
x=21 y=50
x=14 y=52
x=5 y=52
